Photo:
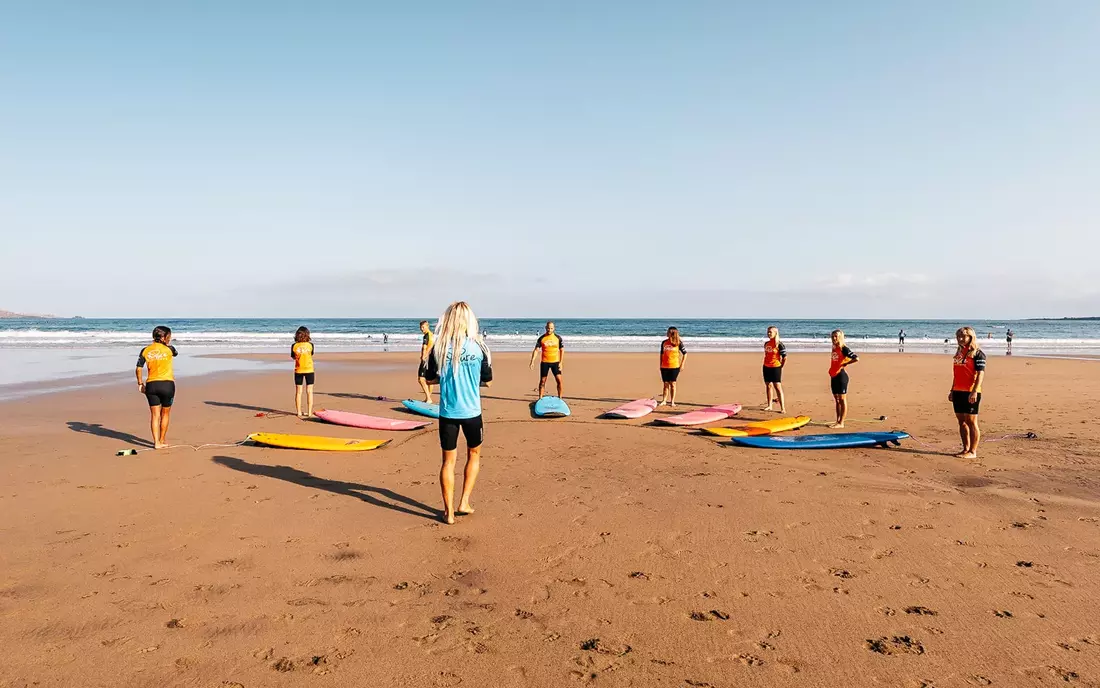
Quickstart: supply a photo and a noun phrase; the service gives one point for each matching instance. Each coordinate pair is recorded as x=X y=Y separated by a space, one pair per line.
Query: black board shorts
x=546 y=368
x=961 y=402
x=669 y=374
x=773 y=375
x=839 y=383
x=160 y=393
x=473 y=429
x=304 y=378
x=422 y=371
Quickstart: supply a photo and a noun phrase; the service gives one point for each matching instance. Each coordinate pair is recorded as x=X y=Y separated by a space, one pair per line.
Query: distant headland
x=10 y=315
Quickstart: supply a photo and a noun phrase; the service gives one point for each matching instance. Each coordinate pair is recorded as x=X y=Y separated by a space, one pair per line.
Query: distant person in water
x=775 y=357
x=1008 y=337
x=966 y=390
x=552 y=349
x=301 y=352
x=460 y=363
x=841 y=358
x=159 y=387
x=425 y=350
x=673 y=355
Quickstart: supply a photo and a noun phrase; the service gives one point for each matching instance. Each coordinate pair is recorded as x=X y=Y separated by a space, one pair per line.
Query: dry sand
x=608 y=553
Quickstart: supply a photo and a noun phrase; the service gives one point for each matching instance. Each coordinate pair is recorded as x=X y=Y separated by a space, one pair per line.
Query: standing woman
x=673 y=355
x=775 y=357
x=426 y=345
x=302 y=354
x=159 y=387
x=966 y=390
x=842 y=357
x=460 y=363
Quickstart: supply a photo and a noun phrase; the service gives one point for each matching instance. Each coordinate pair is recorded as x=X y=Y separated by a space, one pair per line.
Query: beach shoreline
x=606 y=552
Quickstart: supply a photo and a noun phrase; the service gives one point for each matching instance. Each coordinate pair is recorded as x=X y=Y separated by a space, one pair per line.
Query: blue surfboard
x=842 y=440
x=551 y=407
x=429 y=410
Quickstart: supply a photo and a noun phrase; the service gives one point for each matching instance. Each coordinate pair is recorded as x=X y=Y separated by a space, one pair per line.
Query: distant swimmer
x=159 y=387
x=901 y=337
x=673 y=355
x=775 y=357
x=385 y=338
x=426 y=345
x=301 y=352
x=1008 y=337
x=460 y=364
x=966 y=390
x=842 y=357
x=553 y=356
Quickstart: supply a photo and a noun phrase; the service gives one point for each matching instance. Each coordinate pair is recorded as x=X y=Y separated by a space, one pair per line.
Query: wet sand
x=606 y=553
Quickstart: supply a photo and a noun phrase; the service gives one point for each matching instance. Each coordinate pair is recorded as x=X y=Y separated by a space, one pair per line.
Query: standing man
x=553 y=354
x=425 y=351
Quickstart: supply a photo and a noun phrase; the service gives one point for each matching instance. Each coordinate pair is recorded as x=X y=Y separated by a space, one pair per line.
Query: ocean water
x=368 y=334
x=38 y=356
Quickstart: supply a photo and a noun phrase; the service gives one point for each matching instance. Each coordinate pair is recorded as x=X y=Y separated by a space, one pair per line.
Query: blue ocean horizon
x=591 y=334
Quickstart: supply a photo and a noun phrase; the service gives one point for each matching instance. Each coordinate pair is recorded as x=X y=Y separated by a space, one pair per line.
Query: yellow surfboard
x=765 y=427
x=272 y=439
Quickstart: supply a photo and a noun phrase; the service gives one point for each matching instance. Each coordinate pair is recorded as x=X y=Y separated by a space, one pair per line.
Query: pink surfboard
x=707 y=415
x=359 y=420
x=635 y=409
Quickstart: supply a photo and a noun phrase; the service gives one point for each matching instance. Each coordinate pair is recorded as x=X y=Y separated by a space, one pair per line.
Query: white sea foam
x=28 y=338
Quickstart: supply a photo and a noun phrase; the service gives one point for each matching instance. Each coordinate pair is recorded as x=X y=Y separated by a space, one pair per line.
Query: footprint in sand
x=895 y=645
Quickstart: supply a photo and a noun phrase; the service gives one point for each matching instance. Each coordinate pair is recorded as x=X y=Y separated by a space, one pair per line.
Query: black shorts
x=304 y=378
x=773 y=374
x=472 y=428
x=545 y=368
x=160 y=393
x=839 y=382
x=422 y=371
x=669 y=374
x=961 y=402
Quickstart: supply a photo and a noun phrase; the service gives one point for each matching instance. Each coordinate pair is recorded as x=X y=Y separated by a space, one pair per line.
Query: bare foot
x=767 y=408
x=464 y=510
x=967 y=455
x=672 y=404
x=782 y=410
x=837 y=426
x=159 y=445
x=428 y=400
x=449 y=519
x=663 y=403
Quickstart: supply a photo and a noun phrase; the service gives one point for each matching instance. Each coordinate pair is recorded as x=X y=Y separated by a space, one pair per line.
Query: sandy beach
x=604 y=553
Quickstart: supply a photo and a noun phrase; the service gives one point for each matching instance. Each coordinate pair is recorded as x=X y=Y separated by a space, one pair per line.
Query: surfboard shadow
x=366 y=493
x=98 y=430
x=245 y=407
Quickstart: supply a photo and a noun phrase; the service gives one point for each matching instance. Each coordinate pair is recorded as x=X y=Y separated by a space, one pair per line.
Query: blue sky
x=726 y=159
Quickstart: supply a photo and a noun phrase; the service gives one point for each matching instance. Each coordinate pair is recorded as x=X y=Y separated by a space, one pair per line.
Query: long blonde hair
x=674 y=336
x=974 y=345
x=456 y=324
x=839 y=334
x=773 y=327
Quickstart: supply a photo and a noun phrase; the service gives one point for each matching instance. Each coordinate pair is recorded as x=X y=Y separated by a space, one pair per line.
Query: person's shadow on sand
x=366 y=493
x=99 y=431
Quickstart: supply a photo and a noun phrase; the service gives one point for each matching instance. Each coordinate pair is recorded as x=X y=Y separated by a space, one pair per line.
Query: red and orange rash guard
x=966 y=369
x=841 y=357
x=672 y=356
x=159 y=359
x=774 y=353
x=551 y=346
x=302 y=353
